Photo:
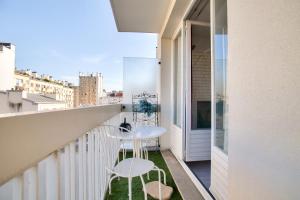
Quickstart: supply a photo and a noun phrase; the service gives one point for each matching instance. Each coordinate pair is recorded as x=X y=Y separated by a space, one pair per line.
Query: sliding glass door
x=220 y=75
x=198 y=95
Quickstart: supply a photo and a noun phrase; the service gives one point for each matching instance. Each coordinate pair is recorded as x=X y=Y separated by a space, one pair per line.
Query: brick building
x=90 y=88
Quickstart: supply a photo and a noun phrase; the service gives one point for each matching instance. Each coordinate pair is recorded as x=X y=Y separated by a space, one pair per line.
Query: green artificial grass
x=120 y=187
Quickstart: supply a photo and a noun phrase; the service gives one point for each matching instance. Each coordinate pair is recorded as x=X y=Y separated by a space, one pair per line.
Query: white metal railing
x=27 y=138
x=75 y=172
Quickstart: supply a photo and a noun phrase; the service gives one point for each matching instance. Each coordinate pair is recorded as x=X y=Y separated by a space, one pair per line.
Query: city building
x=90 y=88
x=14 y=101
x=34 y=83
x=7 y=66
x=30 y=81
x=113 y=97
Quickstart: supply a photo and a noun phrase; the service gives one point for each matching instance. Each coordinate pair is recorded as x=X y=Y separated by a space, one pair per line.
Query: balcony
x=64 y=155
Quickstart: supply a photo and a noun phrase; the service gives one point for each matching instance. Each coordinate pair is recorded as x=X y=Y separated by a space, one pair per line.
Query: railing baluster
x=52 y=178
x=66 y=173
x=47 y=178
x=102 y=164
x=12 y=189
x=61 y=174
x=84 y=167
x=97 y=185
x=72 y=170
x=91 y=165
x=79 y=186
x=30 y=184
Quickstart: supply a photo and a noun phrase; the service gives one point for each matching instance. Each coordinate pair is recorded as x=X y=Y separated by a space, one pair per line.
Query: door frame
x=178 y=132
x=188 y=93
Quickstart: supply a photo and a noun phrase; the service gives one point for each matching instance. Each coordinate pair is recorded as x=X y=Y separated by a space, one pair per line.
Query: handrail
x=26 y=139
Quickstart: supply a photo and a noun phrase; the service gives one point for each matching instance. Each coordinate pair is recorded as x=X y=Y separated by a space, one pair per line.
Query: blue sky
x=65 y=37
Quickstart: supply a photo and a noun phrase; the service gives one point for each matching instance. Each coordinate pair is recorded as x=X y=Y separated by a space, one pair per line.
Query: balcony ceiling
x=140 y=15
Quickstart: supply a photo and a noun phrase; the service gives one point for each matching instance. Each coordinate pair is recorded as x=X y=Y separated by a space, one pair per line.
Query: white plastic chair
x=130 y=167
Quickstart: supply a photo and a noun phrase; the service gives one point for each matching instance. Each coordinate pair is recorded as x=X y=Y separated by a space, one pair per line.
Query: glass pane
x=201 y=78
x=220 y=56
x=140 y=75
x=177 y=81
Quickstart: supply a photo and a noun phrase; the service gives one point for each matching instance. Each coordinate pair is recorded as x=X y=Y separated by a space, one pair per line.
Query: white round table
x=141 y=133
x=148 y=132
x=137 y=135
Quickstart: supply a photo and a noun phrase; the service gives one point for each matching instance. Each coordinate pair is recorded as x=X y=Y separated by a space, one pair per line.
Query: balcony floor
x=201 y=169
x=120 y=187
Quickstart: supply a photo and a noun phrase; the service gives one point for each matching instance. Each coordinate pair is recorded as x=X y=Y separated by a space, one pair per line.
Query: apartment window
x=220 y=62
x=177 y=81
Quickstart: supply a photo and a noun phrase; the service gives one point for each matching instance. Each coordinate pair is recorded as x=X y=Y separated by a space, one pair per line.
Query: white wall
x=174 y=138
x=264 y=99
x=7 y=67
x=4 y=107
x=166 y=106
x=27 y=106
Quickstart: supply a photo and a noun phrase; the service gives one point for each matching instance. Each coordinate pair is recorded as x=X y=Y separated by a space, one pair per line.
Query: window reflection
x=220 y=60
x=177 y=81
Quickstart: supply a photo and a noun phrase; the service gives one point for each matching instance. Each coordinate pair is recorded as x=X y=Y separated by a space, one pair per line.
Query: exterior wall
x=7 y=67
x=37 y=86
x=264 y=101
x=26 y=105
x=166 y=107
x=6 y=107
x=90 y=89
x=173 y=139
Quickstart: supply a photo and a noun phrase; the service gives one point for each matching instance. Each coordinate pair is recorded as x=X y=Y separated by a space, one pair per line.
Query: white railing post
x=90 y=174
x=66 y=173
x=84 y=157
x=72 y=170
x=96 y=158
x=52 y=178
x=30 y=188
x=79 y=184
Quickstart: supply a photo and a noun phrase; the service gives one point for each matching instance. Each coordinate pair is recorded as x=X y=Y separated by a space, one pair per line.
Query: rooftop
x=39 y=98
x=6 y=44
x=43 y=77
